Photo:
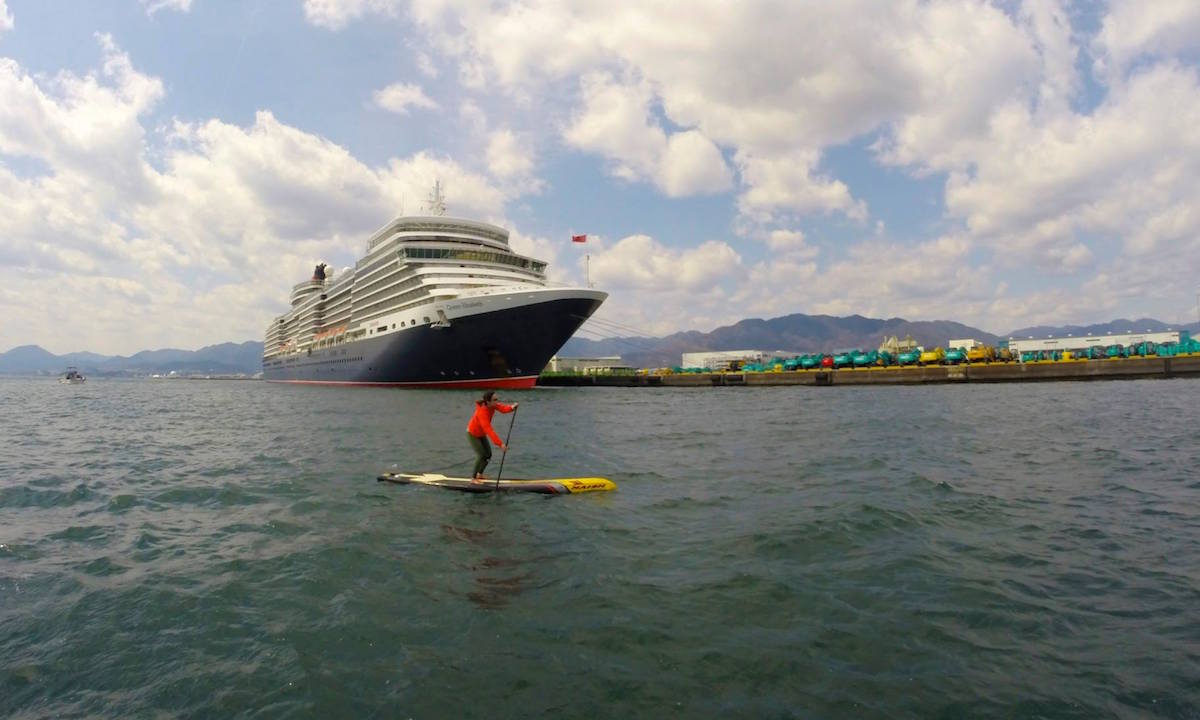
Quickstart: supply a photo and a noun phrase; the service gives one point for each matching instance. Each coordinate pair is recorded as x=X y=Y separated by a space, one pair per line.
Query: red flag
x=579 y=238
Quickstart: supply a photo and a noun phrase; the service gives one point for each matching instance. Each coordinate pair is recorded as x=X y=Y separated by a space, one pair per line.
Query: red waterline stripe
x=517 y=383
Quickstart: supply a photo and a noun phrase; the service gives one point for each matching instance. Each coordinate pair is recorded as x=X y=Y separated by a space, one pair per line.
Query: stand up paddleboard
x=553 y=486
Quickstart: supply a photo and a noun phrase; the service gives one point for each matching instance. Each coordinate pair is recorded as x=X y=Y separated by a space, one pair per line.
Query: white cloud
x=877 y=279
x=790 y=242
x=1041 y=188
x=157 y=255
x=638 y=262
x=786 y=183
x=616 y=123
x=336 y=14
x=655 y=289
x=153 y=6
x=1050 y=28
x=1133 y=30
x=509 y=155
x=1044 y=173
x=399 y=97
x=766 y=82
x=79 y=122
x=426 y=65
x=660 y=290
x=692 y=165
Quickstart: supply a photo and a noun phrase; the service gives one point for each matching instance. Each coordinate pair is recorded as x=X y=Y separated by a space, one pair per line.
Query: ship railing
x=500 y=289
x=308 y=284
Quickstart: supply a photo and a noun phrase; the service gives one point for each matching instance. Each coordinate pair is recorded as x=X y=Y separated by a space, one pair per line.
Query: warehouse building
x=589 y=366
x=1083 y=342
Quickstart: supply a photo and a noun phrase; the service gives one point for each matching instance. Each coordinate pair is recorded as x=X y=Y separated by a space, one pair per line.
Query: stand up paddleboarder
x=480 y=429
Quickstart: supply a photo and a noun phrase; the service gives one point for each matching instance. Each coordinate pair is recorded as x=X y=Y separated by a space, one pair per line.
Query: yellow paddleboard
x=549 y=486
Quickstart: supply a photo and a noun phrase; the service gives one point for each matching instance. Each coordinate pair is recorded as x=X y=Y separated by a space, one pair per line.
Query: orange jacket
x=481 y=421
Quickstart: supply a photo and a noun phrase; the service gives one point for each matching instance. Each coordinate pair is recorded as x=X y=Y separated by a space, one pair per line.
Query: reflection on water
x=223 y=549
x=495 y=583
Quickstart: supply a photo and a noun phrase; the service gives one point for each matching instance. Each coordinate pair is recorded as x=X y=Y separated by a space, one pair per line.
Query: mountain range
x=801 y=333
x=224 y=359
x=796 y=333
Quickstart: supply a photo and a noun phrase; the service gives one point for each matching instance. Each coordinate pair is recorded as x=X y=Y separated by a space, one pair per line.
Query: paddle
x=505 y=453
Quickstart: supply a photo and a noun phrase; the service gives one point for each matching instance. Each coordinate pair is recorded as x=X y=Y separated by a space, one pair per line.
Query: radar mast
x=436 y=202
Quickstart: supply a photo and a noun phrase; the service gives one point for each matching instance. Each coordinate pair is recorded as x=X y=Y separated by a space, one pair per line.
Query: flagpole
x=587 y=269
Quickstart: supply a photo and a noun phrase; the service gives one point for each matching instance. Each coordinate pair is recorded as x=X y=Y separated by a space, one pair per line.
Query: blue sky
x=170 y=168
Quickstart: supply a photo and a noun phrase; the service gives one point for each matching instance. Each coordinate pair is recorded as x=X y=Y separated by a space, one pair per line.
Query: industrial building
x=1083 y=342
x=588 y=366
x=727 y=359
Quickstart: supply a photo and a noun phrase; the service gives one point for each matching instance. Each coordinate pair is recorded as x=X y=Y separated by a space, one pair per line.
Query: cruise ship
x=437 y=302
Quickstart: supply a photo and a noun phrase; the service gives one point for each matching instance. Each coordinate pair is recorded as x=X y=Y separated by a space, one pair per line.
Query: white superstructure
x=412 y=266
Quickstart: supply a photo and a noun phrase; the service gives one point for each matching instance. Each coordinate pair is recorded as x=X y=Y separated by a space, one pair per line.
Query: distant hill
x=224 y=359
x=28 y=359
x=1120 y=325
x=796 y=333
x=801 y=333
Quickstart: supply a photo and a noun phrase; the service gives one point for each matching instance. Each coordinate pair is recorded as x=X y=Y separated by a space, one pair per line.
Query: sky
x=169 y=169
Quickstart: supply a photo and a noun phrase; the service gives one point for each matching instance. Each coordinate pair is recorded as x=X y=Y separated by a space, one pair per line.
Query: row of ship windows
x=418 y=253
x=306 y=313
x=367 y=267
x=442 y=233
x=384 y=329
x=310 y=363
x=407 y=288
x=371 y=290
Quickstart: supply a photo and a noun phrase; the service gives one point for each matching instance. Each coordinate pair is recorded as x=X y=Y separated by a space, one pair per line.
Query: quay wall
x=1115 y=369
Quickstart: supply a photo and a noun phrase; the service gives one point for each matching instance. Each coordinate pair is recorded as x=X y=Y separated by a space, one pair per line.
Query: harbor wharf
x=1042 y=371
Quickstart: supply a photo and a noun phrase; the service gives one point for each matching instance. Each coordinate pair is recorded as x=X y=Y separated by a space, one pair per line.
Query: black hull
x=506 y=348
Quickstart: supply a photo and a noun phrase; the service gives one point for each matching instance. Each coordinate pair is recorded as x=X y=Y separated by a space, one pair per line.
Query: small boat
x=72 y=377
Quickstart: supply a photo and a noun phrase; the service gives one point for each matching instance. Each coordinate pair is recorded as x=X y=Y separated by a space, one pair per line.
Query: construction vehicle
x=954 y=356
x=981 y=354
x=931 y=357
x=844 y=359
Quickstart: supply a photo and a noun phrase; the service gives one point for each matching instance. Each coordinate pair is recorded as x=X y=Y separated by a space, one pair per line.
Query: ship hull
x=503 y=348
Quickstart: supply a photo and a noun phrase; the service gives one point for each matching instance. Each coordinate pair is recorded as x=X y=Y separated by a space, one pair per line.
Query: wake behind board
x=551 y=486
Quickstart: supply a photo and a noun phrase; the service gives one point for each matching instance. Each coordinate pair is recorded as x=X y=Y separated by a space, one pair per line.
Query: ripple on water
x=25 y=496
x=840 y=553
x=222 y=496
x=82 y=533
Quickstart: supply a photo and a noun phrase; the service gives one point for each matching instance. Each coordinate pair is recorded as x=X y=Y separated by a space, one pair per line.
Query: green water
x=215 y=549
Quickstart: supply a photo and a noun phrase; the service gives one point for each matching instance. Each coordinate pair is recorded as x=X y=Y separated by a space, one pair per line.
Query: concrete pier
x=1113 y=369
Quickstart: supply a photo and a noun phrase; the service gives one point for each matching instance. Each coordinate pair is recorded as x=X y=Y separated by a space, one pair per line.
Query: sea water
x=215 y=549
